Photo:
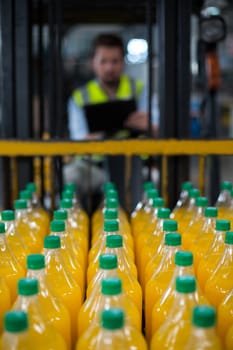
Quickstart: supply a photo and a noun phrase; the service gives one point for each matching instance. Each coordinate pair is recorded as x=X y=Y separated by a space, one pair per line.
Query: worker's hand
x=95 y=136
x=137 y=120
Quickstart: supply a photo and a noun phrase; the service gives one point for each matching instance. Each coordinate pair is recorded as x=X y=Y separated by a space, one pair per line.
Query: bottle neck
x=201 y=333
x=9 y=225
x=209 y=224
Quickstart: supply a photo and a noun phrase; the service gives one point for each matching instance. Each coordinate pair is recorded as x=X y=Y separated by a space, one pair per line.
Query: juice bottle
x=184 y=266
x=111 y=296
x=203 y=332
x=192 y=230
x=224 y=198
x=150 y=246
x=36 y=204
x=135 y=216
x=57 y=228
x=114 y=245
x=28 y=229
x=78 y=247
x=10 y=268
x=5 y=300
x=175 y=331
x=35 y=214
x=18 y=335
x=161 y=277
x=111 y=227
x=57 y=313
x=149 y=227
x=189 y=211
x=165 y=245
x=112 y=334
x=62 y=280
x=98 y=212
x=14 y=240
x=220 y=282
x=183 y=200
x=225 y=315
x=124 y=229
x=80 y=213
x=73 y=188
x=208 y=263
x=205 y=236
x=29 y=302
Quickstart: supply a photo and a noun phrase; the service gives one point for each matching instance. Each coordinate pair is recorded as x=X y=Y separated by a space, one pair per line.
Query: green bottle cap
x=211 y=212
x=152 y=193
x=67 y=195
x=2 y=227
x=28 y=286
x=172 y=239
x=66 y=203
x=27 y=195
x=108 y=261
x=194 y=193
x=229 y=237
x=112 y=203
x=8 y=215
x=114 y=241
x=31 y=186
x=163 y=213
x=111 y=214
x=148 y=185
x=112 y=193
x=183 y=258
x=111 y=286
x=52 y=242
x=20 y=204
x=226 y=185
x=60 y=214
x=35 y=261
x=70 y=187
x=203 y=316
x=201 y=202
x=170 y=225
x=112 y=318
x=57 y=226
x=111 y=225
x=186 y=186
x=109 y=185
x=185 y=284
x=223 y=225
x=158 y=202
x=15 y=321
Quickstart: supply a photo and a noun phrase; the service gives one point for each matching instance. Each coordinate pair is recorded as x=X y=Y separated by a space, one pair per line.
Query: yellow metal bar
x=201 y=174
x=14 y=179
x=127 y=147
x=164 y=179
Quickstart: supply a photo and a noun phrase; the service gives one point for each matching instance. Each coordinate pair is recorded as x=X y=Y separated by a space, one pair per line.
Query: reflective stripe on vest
x=92 y=93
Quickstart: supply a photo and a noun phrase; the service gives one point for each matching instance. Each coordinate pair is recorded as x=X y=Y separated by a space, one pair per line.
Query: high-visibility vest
x=92 y=93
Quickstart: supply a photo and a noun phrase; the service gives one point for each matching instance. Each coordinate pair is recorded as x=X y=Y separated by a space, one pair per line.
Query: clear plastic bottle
x=203 y=332
x=224 y=198
x=57 y=313
x=175 y=331
x=80 y=213
x=61 y=279
x=5 y=300
x=14 y=240
x=225 y=315
x=189 y=211
x=210 y=260
x=111 y=296
x=28 y=301
x=220 y=282
x=112 y=334
x=10 y=268
x=161 y=277
x=183 y=200
x=36 y=204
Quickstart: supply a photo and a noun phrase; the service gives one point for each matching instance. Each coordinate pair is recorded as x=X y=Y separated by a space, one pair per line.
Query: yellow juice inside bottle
x=175 y=331
x=113 y=333
x=229 y=339
x=14 y=240
x=191 y=232
x=57 y=313
x=62 y=281
x=225 y=315
x=205 y=237
x=210 y=260
x=223 y=202
x=220 y=283
x=5 y=301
